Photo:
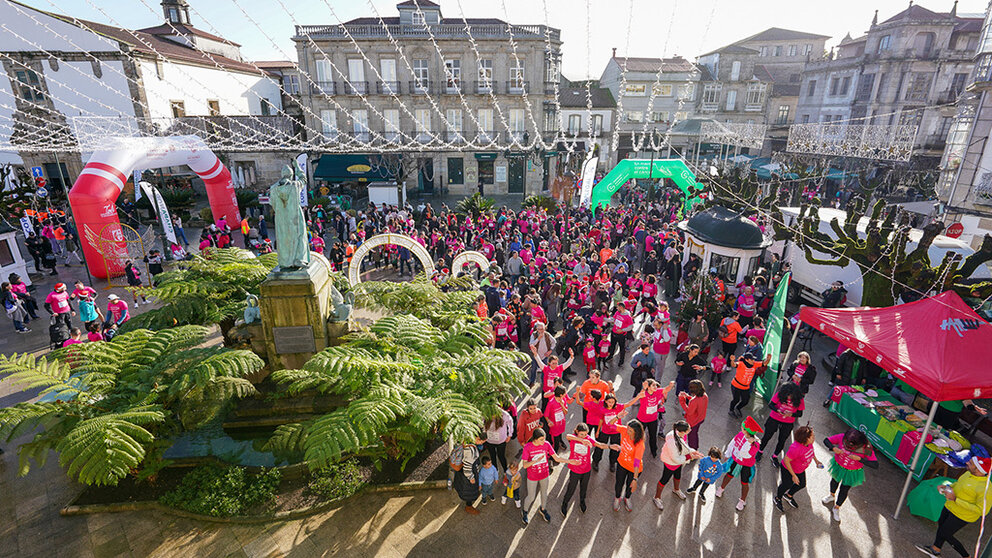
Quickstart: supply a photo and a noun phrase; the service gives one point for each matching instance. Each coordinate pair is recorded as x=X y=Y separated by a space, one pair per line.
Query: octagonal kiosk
x=725 y=240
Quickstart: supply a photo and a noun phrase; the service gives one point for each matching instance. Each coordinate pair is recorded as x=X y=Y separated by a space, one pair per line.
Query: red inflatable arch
x=93 y=197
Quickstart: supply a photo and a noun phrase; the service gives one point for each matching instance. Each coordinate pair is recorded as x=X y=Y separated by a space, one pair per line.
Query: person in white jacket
x=498 y=430
x=674 y=454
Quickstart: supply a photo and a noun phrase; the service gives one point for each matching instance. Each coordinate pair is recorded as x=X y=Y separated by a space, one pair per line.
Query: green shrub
x=338 y=481
x=223 y=492
x=206 y=215
x=540 y=202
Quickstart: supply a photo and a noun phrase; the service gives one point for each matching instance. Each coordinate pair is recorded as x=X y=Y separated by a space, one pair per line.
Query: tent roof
x=938 y=345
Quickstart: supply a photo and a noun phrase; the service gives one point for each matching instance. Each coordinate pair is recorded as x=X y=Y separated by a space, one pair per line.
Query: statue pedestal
x=295 y=309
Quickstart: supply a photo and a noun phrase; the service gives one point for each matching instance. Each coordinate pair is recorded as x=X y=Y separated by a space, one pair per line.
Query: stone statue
x=342 y=304
x=291 y=225
x=252 y=312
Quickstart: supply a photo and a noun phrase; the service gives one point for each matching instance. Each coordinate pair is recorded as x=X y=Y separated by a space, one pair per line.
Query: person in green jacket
x=968 y=500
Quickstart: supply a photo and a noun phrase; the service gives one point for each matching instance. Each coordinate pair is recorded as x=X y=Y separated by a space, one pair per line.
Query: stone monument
x=301 y=311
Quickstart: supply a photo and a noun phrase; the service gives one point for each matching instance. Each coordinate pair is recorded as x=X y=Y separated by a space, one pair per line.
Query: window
x=360 y=124
x=517 y=76
x=735 y=70
x=391 y=123
x=783 y=115
x=834 y=85
x=682 y=115
x=811 y=88
x=778 y=50
x=456 y=170
x=919 y=86
x=805 y=119
x=659 y=116
x=387 y=71
x=884 y=43
x=865 y=86
x=266 y=107
x=957 y=84
x=421 y=75
x=753 y=264
x=329 y=123
x=597 y=124
x=356 y=71
x=6 y=255
x=755 y=94
x=453 y=74
x=731 y=99
x=574 y=123
x=725 y=266
x=763 y=51
x=29 y=85
x=845 y=84
x=517 y=124
x=711 y=94
x=454 y=118
x=485 y=75
x=291 y=84
x=551 y=73
x=325 y=76
x=173 y=15
x=807 y=49
x=422 y=121
x=417 y=18
x=635 y=90
x=910 y=117
x=486 y=173
x=687 y=92
x=486 y=121
x=793 y=50
x=178 y=109
x=213 y=107
x=634 y=116
x=662 y=90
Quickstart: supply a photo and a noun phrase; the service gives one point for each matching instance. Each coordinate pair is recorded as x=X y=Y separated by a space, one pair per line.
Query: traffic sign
x=41 y=192
x=954 y=230
x=37 y=172
x=263 y=199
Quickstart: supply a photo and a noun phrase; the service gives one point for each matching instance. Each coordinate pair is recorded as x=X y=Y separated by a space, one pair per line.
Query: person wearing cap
x=57 y=304
x=117 y=311
x=743 y=450
x=968 y=499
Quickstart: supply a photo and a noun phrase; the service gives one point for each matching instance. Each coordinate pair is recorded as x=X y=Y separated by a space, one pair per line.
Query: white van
x=809 y=280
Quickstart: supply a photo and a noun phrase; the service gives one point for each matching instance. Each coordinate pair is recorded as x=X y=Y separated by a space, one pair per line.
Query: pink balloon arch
x=93 y=197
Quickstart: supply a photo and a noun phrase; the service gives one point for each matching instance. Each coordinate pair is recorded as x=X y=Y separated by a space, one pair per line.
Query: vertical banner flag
x=765 y=385
x=588 y=177
x=163 y=211
x=26 y=226
x=301 y=164
x=137 y=180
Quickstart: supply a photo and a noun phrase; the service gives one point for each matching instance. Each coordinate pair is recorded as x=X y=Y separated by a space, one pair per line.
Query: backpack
x=58 y=332
x=722 y=331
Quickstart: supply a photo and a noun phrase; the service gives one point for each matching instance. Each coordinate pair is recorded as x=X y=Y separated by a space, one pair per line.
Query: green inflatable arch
x=673 y=169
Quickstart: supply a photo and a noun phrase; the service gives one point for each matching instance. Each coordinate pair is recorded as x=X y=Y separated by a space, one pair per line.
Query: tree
x=474 y=206
x=211 y=288
x=109 y=409
x=17 y=190
x=404 y=382
x=700 y=295
x=888 y=271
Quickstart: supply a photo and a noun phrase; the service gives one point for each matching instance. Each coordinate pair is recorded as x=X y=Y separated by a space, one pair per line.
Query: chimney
x=874 y=20
x=614 y=52
x=954 y=10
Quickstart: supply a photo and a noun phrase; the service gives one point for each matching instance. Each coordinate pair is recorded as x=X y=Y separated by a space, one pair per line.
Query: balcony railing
x=324 y=88
x=356 y=87
x=444 y=30
x=516 y=87
x=387 y=87
x=453 y=136
x=452 y=87
x=421 y=87
x=487 y=136
x=754 y=107
x=709 y=107
x=485 y=87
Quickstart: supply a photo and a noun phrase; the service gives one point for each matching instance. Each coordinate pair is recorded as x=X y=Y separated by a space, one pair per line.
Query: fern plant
x=421 y=298
x=474 y=205
x=109 y=409
x=405 y=381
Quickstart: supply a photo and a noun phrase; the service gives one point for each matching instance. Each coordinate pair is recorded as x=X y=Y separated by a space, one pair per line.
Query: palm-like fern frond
x=104 y=449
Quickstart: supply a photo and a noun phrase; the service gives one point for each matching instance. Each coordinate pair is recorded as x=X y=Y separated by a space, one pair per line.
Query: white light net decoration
x=727 y=133
x=867 y=141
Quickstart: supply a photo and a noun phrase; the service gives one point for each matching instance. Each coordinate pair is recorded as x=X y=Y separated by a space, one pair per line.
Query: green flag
x=765 y=385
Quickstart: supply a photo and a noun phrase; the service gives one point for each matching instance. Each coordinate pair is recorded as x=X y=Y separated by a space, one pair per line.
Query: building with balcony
x=431 y=86
x=907 y=69
x=654 y=93
x=588 y=114
x=756 y=80
x=171 y=78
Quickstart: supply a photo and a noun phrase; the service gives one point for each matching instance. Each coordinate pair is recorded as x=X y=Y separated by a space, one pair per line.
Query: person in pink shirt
x=82 y=291
x=785 y=407
x=579 y=465
x=117 y=310
x=852 y=453
x=623 y=323
x=76 y=337
x=93 y=332
x=652 y=406
x=793 y=470
x=555 y=413
x=535 y=460
x=552 y=371
x=57 y=304
x=742 y=450
x=610 y=413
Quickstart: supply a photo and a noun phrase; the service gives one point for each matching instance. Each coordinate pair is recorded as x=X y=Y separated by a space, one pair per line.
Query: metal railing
x=485 y=87
x=356 y=87
x=442 y=30
x=421 y=87
x=387 y=87
x=324 y=88
x=517 y=87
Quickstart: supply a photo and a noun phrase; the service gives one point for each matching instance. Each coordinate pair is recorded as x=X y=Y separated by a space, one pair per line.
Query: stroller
x=58 y=332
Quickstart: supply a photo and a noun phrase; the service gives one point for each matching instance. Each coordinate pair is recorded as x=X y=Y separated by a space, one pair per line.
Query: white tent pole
x=916 y=458
x=788 y=352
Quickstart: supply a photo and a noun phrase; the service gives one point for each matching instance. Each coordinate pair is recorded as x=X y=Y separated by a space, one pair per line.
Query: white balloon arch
x=470 y=256
x=354 y=268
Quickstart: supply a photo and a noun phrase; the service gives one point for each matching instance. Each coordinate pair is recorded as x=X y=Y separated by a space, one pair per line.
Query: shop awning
x=486 y=156
x=517 y=154
x=351 y=167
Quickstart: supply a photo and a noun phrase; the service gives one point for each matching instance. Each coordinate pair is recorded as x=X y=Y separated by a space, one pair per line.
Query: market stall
x=938 y=345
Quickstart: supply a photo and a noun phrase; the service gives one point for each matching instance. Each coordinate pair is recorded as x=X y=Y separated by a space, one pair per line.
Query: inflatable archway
x=101 y=181
x=470 y=256
x=673 y=169
x=421 y=253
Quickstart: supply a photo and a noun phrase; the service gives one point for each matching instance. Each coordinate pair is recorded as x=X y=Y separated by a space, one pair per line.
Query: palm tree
x=110 y=409
x=404 y=382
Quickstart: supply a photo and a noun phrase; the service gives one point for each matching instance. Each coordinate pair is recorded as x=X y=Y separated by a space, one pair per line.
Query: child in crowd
x=604 y=353
x=589 y=356
x=742 y=450
x=488 y=475
x=76 y=337
x=93 y=332
x=852 y=453
x=718 y=364
x=511 y=480
x=711 y=468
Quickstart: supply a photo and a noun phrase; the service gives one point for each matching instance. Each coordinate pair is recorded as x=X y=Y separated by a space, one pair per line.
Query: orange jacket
x=631 y=454
x=744 y=375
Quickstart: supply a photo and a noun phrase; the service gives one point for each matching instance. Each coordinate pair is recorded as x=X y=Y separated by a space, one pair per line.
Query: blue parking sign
x=36 y=172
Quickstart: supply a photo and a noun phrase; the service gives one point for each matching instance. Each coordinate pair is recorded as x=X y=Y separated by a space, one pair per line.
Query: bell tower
x=176 y=11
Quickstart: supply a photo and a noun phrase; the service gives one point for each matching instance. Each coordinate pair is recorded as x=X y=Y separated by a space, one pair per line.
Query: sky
x=590 y=28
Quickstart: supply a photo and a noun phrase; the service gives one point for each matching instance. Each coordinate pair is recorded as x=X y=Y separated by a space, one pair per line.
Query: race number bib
x=581 y=449
x=559 y=416
x=651 y=409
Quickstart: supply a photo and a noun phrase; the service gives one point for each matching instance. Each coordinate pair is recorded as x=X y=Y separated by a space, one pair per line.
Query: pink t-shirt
x=555 y=414
x=650 y=289
x=608 y=415
x=59 y=302
x=539 y=469
x=742 y=450
x=799 y=371
x=84 y=292
x=844 y=458
x=594 y=411
x=580 y=451
x=799 y=456
x=94 y=336
x=651 y=405
x=787 y=408
x=622 y=322
x=117 y=309
x=550 y=375
x=68 y=342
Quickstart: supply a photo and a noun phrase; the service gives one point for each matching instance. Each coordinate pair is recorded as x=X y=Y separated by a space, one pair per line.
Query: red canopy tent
x=937 y=345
